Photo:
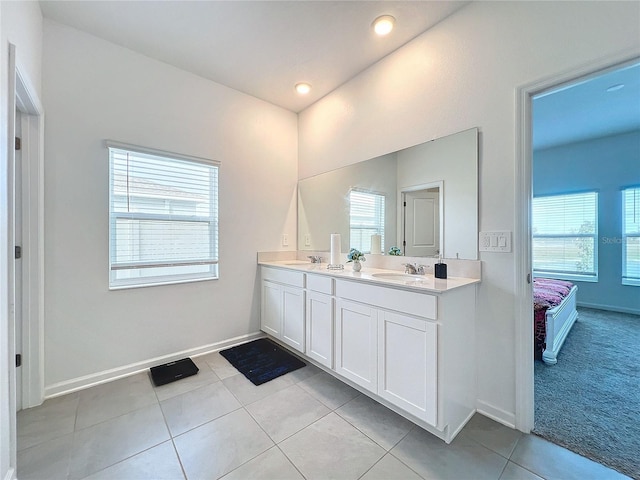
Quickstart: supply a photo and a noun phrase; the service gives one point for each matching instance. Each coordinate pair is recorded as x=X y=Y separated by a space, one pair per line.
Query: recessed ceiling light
x=383 y=24
x=303 y=88
x=614 y=88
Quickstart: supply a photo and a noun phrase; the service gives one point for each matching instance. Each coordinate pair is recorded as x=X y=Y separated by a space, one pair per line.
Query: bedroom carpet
x=589 y=402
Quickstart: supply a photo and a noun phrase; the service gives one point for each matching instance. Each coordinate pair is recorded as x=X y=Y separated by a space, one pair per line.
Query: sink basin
x=297 y=262
x=401 y=277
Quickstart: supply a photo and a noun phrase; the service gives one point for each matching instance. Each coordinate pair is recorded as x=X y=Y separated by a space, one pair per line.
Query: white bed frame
x=559 y=321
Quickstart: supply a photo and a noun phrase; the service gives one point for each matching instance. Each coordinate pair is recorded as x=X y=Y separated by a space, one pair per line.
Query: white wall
x=95 y=90
x=20 y=24
x=461 y=74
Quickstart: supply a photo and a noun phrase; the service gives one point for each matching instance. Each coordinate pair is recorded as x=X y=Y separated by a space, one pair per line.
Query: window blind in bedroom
x=631 y=236
x=565 y=234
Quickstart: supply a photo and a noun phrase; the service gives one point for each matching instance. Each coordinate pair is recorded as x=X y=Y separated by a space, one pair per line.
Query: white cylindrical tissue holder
x=336 y=245
x=376 y=244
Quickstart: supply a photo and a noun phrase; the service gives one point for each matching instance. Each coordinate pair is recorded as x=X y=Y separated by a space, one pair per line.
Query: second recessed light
x=383 y=24
x=303 y=88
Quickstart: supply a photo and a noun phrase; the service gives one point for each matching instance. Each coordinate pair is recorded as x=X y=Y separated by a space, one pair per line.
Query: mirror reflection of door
x=421 y=222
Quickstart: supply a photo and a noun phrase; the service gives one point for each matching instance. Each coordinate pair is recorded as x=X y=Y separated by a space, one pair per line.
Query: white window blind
x=366 y=218
x=631 y=236
x=163 y=217
x=565 y=233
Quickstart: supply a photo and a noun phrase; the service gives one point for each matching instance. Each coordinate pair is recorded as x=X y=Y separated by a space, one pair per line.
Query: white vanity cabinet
x=319 y=321
x=356 y=343
x=408 y=358
x=387 y=342
x=283 y=306
x=412 y=350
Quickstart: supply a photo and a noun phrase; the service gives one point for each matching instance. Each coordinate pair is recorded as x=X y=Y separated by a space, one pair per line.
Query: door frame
x=524 y=362
x=32 y=148
x=401 y=209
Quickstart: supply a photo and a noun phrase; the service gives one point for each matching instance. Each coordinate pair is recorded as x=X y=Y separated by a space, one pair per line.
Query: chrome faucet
x=414 y=269
x=315 y=258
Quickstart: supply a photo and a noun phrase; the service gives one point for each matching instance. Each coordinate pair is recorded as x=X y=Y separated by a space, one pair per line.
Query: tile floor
x=305 y=424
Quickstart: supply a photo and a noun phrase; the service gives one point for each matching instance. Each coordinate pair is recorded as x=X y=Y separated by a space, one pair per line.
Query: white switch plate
x=285 y=240
x=495 y=242
x=307 y=240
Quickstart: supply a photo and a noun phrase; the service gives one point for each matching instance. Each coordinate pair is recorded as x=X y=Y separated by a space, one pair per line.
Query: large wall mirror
x=423 y=200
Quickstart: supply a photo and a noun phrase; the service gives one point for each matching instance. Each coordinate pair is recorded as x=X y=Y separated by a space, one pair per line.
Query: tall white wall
x=95 y=90
x=464 y=73
x=21 y=25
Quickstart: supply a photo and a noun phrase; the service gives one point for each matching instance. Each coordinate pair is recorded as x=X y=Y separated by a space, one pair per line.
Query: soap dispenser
x=440 y=268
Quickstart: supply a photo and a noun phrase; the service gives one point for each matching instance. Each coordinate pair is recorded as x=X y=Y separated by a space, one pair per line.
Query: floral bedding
x=547 y=293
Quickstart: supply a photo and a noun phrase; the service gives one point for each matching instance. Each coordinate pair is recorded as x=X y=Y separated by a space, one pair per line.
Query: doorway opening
x=580 y=159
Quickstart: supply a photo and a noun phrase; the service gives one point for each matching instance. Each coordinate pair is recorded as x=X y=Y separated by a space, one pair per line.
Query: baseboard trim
x=11 y=474
x=610 y=308
x=87 y=381
x=499 y=415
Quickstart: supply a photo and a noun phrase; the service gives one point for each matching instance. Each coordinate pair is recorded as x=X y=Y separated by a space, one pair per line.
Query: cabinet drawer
x=320 y=283
x=419 y=304
x=287 y=277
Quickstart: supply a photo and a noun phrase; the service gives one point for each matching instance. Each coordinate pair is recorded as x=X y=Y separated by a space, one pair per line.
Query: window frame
x=212 y=221
x=569 y=275
x=627 y=280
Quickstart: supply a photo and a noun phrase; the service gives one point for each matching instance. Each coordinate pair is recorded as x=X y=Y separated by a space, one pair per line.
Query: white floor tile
x=552 y=461
x=157 y=463
x=331 y=448
x=47 y=460
x=382 y=425
x=113 y=399
x=430 y=457
x=54 y=418
x=390 y=468
x=112 y=441
x=271 y=465
x=286 y=412
x=197 y=407
x=222 y=445
x=329 y=390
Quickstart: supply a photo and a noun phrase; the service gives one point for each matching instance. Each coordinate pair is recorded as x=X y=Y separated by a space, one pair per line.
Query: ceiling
x=263 y=48
x=585 y=109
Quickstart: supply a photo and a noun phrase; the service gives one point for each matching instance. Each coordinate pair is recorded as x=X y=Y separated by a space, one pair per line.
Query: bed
x=554 y=313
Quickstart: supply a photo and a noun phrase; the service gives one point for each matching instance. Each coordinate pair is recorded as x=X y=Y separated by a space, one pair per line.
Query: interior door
x=421 y=223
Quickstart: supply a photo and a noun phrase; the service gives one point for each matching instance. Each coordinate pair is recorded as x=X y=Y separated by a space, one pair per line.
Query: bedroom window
x=163 y=217
x=565 y=233
x=366 y=218
x=631 y=236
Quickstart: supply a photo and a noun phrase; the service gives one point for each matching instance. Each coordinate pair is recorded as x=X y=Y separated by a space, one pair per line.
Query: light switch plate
x=285 y=240
x=495 y=242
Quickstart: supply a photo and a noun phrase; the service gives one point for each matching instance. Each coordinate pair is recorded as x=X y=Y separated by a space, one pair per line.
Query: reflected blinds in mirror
x=366 y=218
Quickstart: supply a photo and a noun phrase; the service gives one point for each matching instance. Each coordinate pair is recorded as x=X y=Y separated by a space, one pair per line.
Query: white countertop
x=421 y=283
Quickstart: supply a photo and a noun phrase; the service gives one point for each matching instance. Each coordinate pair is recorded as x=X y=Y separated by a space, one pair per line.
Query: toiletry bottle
x=440 y=268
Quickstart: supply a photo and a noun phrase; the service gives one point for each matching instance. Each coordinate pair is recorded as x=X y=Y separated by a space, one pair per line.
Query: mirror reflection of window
x=366 y=218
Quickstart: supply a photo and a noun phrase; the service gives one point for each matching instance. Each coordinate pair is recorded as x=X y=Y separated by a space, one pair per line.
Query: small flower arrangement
x=395 y=251
x=355 y=256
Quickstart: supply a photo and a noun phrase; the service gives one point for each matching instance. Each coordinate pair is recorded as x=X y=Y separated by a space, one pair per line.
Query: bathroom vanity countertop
x=422 y=283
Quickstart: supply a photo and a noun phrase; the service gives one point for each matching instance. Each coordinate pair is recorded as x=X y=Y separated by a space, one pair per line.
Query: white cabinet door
x=293 y=317
x=408 y=350
x=356 y=343
x=320 y=328
x=271 y=309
